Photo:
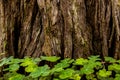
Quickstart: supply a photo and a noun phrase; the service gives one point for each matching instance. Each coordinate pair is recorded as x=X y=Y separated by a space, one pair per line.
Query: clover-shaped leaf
x=111 y=67
x=86 y=70
x=117 y=77
x=81 y=61
x=13 y=67
x=67 y=60
x=66 y=73
x=40 y=71
x=62 y=65
x=110 y=59
x=56 y=69
x=15 y=61
x=104 y=73
x=95 y=64
x=27 y=61
x=50 y=58
x=94 y=58
x=5 y=61
x=114 y=67
x=31 y=68
x=17 y=77
x=37 y=60
x=90 y=77
x=76 y=77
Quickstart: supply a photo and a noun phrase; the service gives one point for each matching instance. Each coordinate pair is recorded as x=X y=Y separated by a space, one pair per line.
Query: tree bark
x=65 y=28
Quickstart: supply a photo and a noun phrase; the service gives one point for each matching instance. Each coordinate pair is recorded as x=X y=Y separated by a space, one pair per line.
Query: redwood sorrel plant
x=28 y=68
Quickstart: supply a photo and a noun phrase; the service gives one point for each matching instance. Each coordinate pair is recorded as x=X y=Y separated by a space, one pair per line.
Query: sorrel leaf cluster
x=54 y=68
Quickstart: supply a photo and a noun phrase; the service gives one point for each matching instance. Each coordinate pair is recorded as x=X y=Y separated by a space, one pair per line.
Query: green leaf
x=44 y=78
x=13 y=67
x=94 y=64
x=110 y=59
x=37 y=60
x=118 y=61
x=40 y=71
x=87 y=70
x=104 y=73
x=56 y=69
x=27 y=61
x=94 y=58
x=81 y=61
x=66 y=73
x=117 y=77
x=56 y=79
x=8 y=75
x=62 y=65
x=50 y=58
x=15 y=61
x=17 y=77
x=114 y=67
x=76 y=77
x=28 y=78
x=31 y=68
x=90 y=77
x=67 y=60
x=111 y=67
x=117 y=66
x=5 y=61
x=89 y=67
x=98 y=64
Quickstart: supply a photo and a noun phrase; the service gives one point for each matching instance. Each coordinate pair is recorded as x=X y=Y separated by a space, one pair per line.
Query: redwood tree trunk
x=66 y=28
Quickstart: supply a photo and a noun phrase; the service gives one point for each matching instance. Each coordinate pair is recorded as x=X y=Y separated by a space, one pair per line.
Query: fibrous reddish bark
x=66 y=28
